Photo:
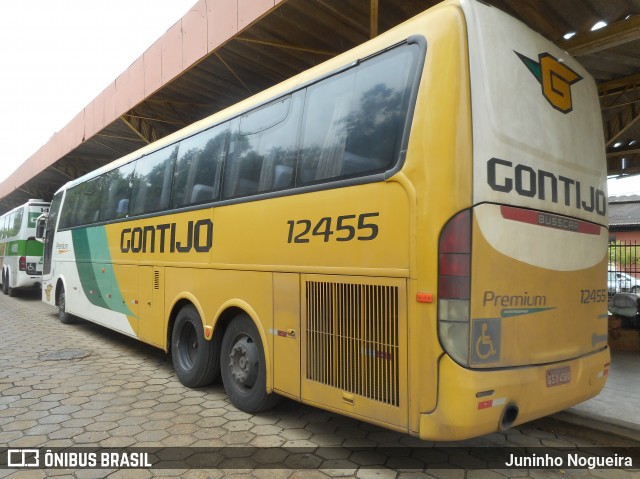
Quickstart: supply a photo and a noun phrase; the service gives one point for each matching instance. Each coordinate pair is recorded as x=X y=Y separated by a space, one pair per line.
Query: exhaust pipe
x=509 y=416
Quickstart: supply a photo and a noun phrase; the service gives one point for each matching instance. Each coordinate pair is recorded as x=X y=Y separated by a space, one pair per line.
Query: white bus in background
x=20 y=252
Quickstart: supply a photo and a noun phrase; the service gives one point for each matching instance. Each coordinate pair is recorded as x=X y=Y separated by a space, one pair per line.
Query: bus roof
x=332 y=66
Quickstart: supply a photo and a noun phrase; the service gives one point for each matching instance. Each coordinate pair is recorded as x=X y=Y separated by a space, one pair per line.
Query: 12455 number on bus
x=361 y=227
x=593 y=296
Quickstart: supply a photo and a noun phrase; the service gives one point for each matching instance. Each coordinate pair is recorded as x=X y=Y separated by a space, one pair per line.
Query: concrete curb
x=616 y=427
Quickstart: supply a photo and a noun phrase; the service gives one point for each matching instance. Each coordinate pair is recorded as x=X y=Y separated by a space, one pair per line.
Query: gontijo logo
x=555 y=78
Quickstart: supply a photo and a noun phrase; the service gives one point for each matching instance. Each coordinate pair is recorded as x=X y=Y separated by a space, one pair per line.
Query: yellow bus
x=412 y=233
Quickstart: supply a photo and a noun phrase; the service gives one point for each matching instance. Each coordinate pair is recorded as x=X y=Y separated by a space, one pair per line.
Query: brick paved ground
x=125 y=393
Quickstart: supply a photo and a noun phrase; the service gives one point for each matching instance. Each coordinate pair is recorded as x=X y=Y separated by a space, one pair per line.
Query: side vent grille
x=156 y=280
x=352 y=338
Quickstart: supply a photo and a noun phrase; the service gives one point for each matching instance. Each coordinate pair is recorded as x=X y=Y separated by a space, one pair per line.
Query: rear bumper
x=472 y=402
x=26 y=281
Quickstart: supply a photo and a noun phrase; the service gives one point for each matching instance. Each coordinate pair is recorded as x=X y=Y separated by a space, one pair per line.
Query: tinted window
x=82 y=204
x=67 y=214
x=264 y=149
x=6 y=227
x=17 y=221
x=354 y=121
x=9 y=225
x=89 y=203
x=117 y=192
x=352 y=126
x=152 y=181
x=199 y=167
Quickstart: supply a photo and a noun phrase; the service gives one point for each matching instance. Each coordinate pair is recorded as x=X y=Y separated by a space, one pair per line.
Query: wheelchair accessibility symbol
x=485 y=337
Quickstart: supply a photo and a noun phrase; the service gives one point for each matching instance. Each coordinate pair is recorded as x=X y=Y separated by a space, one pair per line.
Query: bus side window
x=89 y=202
x=9 y=225
x=116 y=204
x=17 y=221
x=152 y=181
x=324 y=131
x=353 y=121
x=199 y=167
x=264 y=149
x=68 y=215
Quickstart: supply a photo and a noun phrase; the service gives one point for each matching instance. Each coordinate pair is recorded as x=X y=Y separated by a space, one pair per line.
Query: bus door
x=151 y=305
x=286 y=334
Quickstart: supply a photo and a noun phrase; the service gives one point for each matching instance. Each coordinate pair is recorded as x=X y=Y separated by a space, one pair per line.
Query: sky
x=624 y=186
x=58 y=55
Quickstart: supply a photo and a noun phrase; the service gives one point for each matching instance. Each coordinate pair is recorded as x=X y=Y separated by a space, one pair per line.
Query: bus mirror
x=41 y=223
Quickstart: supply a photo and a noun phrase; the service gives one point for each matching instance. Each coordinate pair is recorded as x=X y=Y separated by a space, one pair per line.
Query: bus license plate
x=558 y=376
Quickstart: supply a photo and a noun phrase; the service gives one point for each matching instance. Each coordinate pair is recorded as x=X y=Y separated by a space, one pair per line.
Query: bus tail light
x=454 y=286
x=22 y=263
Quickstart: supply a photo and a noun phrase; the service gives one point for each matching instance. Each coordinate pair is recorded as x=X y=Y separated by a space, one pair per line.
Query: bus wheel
x=5 y=286
x=243 y=367
x=63 y=316
x=196 y=361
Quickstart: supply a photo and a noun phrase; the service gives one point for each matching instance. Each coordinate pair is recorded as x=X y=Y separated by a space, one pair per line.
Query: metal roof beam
x=632 y=81
x=621 y=123
x=140 y=127
x=237 y=77
x=285 y=46
x=373 y=19
x=612 y=154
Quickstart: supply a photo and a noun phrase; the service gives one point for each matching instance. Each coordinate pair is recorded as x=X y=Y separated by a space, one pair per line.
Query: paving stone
x=182 y=429
x=126 y=431
x=101 y=426
x=234 y=438
x=266 y=430
x=20 y=425
x=209 y=433
x=127 y=395
x=78 y=422
x=238 y=425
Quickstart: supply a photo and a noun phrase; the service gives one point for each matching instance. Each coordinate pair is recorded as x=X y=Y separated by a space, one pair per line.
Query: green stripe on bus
x=100 y=287
x=21 y=248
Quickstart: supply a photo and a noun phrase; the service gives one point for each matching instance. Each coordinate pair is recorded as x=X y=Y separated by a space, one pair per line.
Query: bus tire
x=243 y=367
x=5 y=282
x=63 y=316
x=196 y=361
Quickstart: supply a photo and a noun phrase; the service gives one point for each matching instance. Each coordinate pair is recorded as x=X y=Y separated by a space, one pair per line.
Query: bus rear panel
x=522 y=301
x=20 y=252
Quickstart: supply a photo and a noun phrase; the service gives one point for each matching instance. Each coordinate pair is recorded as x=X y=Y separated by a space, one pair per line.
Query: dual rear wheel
x=239 y=358
x=6 y=288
